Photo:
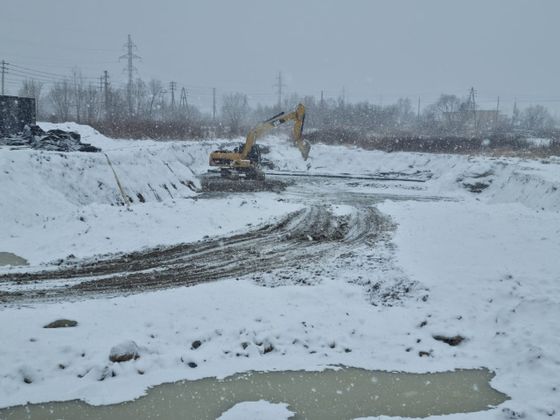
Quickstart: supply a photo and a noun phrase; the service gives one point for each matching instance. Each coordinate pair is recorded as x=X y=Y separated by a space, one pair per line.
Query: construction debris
x=35 y=137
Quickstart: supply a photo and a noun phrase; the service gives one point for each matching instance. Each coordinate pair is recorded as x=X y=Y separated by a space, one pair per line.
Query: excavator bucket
x=303 y=145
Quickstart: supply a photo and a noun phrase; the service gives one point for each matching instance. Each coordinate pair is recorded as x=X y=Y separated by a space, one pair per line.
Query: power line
x=44 y=73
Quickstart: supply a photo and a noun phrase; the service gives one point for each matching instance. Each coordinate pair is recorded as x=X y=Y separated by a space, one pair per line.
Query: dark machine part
x=15 y=113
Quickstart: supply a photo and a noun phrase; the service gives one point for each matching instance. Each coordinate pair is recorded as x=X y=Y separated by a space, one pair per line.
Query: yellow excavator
x=245 y=160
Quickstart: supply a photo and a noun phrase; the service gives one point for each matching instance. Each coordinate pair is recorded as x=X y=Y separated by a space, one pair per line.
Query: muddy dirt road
x=295 y=242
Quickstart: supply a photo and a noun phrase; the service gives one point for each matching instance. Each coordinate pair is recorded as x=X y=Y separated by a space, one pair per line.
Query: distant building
x=15 y=113
x=486 y=119
x=479 y=120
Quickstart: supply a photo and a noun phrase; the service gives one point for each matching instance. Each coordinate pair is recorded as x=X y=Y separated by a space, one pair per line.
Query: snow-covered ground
x=483 y=265
x=262 y=410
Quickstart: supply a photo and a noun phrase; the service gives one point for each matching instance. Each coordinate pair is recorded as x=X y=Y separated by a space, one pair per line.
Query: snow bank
x=56 y=204
x=533 y=183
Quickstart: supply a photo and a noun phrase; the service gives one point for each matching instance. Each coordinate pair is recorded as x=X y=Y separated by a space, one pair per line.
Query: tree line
x=146 y=110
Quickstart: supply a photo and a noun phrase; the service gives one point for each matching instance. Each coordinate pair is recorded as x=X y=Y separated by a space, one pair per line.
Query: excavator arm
x=240 y=159
x=298 y=116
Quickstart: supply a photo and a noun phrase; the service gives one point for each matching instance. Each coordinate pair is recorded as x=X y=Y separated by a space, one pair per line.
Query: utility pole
x=418 y=111
x=515 y=113
x=497 y=111
x=130 y=57
x=172 y=87
x=106 y=92
x=214 y=104
x=472 y=105
x=322 y=100
x=279 y=85
x=4 y=70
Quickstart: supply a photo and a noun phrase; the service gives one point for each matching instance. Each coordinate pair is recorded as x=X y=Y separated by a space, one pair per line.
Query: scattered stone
x=192 y=365
x=423 y=324
x=105 y=373
x=476 y=187
x=510 y=414
x=124 y=352
x=27 y=380
x=423 y=353
x=452 y=341
x=268 y=348
x=196 y=344
x=62 y=323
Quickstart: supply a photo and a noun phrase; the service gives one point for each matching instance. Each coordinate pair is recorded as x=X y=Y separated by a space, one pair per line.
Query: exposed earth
x=295 y=243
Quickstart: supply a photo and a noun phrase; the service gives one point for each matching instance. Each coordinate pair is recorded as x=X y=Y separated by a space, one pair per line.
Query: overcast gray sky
x=373 y=49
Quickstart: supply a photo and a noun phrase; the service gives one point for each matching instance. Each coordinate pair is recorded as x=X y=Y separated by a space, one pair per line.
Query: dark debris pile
x=55 y=140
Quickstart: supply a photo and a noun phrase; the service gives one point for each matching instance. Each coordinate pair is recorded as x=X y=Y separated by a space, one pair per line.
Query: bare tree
x=448 y=113
x=235 y=109
x=536 y=118
x=32 y=89
x=78 y=93
x=405 y=114
x=61 y=99
x=92 y=103
x=140 y=98
x=155 y=88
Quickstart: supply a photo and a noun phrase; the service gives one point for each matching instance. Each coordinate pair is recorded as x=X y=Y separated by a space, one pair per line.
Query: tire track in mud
x=301 y=237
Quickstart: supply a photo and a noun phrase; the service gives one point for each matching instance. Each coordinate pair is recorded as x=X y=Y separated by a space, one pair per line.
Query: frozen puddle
x=7 y=258
x=344 y=393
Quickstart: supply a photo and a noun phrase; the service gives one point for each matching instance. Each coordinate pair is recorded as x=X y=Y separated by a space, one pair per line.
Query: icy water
x=340 y=394
x=7 y=258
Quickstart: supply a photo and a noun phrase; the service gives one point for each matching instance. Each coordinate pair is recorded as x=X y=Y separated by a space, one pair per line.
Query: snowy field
x=473 y=251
